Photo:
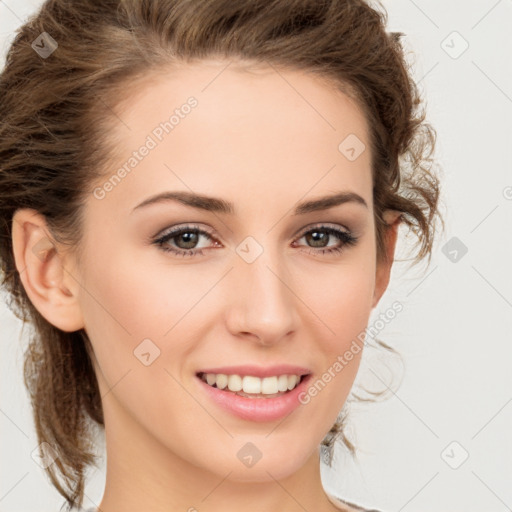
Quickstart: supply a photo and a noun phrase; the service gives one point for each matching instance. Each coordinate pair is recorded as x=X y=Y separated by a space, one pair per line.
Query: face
x=169 y=289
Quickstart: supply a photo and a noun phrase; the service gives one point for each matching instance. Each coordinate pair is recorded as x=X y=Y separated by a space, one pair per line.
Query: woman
x=201 y=202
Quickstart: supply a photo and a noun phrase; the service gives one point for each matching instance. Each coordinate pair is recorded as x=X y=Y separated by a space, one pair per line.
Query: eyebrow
x=217 y=205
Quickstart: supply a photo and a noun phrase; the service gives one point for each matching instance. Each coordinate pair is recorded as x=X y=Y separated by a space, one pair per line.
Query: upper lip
x=258 y=371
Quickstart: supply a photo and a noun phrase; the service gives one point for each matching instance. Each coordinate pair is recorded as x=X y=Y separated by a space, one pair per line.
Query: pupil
x=317 y=237
x=192 y=239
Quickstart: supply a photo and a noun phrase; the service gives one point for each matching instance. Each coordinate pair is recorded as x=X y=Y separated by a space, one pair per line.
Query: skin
x=263 y=145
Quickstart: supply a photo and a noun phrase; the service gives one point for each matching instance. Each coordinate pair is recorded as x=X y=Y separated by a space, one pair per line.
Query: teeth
x=221 y=381
x=234 y=382
x=252 y=385
x=282 y=383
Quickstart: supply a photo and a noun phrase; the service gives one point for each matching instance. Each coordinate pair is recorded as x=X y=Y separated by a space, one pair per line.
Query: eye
x=319 y=236
x=186 y=238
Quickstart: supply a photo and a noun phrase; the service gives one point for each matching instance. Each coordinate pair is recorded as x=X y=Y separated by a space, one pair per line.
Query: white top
x=344 y=504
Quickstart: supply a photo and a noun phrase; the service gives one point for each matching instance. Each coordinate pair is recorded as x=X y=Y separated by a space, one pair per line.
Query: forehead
x=264 y=129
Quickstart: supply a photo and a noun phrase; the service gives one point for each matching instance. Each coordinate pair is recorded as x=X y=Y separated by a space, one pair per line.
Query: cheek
x=126 y=304
x=344 y=311
x=340 y=296
x=129 y=300
x=138 y=299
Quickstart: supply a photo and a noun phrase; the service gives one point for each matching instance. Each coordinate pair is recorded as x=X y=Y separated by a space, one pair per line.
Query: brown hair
x=57 y=118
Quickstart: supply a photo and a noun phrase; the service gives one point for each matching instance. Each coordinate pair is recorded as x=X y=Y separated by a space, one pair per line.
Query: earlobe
x=383 y=271
x=50 y=287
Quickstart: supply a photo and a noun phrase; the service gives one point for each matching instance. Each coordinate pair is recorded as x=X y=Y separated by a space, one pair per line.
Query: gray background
x=455 y=330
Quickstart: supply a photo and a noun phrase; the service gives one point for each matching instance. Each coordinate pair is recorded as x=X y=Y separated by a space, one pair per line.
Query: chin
x=262 y=468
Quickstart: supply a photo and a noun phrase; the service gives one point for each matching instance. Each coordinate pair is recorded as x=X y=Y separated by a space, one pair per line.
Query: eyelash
x=347 y=239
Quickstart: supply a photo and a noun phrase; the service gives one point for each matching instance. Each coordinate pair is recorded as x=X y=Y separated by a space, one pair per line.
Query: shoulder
x=348 y=506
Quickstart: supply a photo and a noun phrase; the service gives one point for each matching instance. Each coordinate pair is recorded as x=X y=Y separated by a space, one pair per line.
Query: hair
x=57 y=117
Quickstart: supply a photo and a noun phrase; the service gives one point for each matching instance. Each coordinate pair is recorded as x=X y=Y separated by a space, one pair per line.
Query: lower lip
x=257 y=409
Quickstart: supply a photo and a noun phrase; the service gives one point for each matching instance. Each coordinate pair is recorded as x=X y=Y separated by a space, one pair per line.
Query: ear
x=383 y=271
x=44 y=272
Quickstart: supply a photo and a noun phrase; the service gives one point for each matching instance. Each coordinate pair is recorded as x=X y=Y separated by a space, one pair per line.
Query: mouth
x=254 y=399
x=250 y=386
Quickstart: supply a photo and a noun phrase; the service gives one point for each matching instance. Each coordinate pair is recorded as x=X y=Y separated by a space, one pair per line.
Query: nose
x=263 y=304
